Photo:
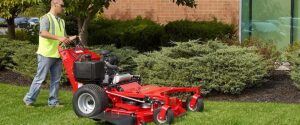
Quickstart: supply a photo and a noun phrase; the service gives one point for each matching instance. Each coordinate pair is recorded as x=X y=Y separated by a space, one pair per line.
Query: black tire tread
x=99 y=95
x=199 y=104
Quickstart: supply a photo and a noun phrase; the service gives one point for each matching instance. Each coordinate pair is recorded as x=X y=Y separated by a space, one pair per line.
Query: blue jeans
x=45 y=64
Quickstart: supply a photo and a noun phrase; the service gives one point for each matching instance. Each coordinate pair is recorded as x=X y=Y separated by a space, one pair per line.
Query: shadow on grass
x=102 y=123
x=41 y=105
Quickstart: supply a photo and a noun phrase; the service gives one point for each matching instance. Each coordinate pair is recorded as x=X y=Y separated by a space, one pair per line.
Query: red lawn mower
x=102 y=92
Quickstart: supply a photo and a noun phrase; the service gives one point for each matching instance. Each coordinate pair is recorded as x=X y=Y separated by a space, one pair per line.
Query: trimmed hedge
x=213 y=66
x=184 y=30
x=142 y=34
x=146 y=35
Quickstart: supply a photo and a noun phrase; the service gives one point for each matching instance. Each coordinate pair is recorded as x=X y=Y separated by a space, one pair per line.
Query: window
x=274 y=21
x=296 y=21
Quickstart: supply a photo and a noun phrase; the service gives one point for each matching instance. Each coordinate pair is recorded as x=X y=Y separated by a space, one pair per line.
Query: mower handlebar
x=76 y=42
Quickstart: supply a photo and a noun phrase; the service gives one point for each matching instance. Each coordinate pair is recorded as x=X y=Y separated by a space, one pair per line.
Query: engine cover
x=89 y=71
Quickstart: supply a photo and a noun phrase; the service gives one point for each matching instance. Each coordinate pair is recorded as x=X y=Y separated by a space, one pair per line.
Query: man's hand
x=64 y=40
x=48 y=35
x=72 y=38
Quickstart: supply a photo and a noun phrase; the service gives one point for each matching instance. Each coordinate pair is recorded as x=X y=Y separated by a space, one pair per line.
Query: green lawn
x=14 y=112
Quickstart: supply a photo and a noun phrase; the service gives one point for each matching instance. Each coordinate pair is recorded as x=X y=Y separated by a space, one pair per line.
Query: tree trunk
x=11 y=27
x=83 y=29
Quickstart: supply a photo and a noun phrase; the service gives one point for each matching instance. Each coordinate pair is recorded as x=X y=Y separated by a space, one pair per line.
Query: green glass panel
x=245 y=20
x=297 y=21
x=271 y=21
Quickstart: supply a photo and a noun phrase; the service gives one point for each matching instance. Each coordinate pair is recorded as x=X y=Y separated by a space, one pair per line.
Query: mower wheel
x=89 y=100
x=199 y=106
x=169 y=118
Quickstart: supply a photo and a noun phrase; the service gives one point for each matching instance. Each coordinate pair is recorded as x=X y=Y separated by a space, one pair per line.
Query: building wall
x=163 y=11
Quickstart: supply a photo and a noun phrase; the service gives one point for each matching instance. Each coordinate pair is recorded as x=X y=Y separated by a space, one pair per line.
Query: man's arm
x=44 y=31
x=48 y=35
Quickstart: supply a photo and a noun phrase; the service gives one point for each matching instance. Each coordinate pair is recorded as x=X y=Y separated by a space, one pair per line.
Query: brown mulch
x=278 y=88
x=13 y=78
x=10 y=77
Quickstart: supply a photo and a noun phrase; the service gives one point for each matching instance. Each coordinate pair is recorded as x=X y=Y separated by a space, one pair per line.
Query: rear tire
x=199 y=105
x=169 y=118
x=89 y=100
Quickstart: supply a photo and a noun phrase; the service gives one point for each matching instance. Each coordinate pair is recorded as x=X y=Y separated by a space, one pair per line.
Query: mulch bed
x=278 y=88
x=10 y=77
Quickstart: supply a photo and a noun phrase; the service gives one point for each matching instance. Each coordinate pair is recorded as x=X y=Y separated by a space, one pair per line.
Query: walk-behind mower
x=102 y=92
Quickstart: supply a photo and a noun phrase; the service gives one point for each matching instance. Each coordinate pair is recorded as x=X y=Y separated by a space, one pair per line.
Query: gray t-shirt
x=45 y=24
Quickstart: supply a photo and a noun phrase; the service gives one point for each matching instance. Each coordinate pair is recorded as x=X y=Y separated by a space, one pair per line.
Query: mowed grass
x=14 y=112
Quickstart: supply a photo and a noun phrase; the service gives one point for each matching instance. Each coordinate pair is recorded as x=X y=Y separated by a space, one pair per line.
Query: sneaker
x=56 y=106
x=28 y=104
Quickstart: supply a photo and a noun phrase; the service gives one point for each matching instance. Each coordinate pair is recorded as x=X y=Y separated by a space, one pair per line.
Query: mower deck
x=114 y=118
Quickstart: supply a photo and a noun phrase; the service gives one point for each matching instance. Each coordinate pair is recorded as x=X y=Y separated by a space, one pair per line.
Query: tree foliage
x=10 y=9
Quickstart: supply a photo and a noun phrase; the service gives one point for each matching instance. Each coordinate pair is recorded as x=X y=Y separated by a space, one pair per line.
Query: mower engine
x=88 y=71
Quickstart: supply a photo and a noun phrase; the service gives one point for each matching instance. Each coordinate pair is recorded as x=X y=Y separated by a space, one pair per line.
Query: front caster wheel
x=199 y=105
x=169 y=118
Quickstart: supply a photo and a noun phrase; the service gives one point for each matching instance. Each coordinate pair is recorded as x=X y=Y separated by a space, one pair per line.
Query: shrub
x=294 y=59
x=213 y=66
x=20 y=34
x=25 y=58
x=33 y=34
x=295 y=73
x=184 y=30
x=4 y=36
x=266 y=48
x=142 y=34
x=29 y=33
x=22 y=55
x=125 y=55
x=6 y=53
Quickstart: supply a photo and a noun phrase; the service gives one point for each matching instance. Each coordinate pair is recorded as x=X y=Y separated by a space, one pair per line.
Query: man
x=52 y=32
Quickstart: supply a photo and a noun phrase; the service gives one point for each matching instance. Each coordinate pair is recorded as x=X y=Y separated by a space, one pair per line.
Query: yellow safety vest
x=49 y=47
